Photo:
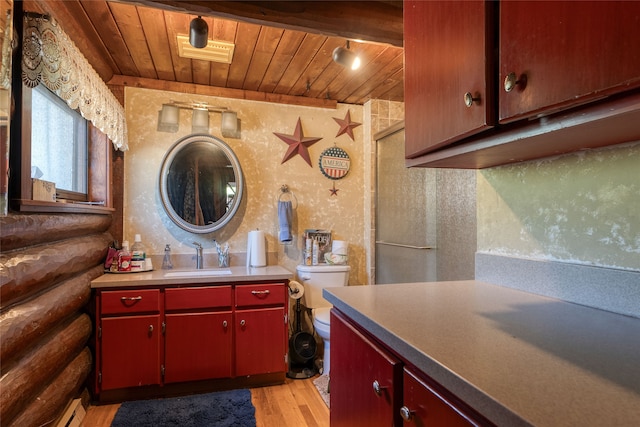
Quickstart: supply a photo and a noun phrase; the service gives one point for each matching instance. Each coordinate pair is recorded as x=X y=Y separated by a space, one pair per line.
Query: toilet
x=314 y=278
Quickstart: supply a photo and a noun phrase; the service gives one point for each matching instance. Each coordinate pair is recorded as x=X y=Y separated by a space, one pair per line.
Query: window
x=59 y=145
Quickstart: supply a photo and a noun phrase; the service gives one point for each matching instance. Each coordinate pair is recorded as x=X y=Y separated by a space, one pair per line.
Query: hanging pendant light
x=346 y=57
x=198 y=32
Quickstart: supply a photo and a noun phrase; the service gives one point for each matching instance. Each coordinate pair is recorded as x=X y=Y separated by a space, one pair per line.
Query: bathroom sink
x=198 y=273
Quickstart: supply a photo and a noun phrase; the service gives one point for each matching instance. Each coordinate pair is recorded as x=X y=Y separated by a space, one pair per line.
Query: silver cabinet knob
x=406 y=413
x=377 y=388
x=224 y=324
x=150 y=328
x=469 y=99
x=242 y=322
x=512 y=80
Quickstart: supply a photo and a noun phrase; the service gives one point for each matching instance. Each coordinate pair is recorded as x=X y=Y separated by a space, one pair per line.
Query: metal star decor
x=298 y=144
x=334 y=190
x=346 y=125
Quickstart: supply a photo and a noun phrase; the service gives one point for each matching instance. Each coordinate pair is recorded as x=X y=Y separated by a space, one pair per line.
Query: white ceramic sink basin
x=198 y=273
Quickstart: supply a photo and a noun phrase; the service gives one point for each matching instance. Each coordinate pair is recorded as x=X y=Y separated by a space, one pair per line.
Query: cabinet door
x=566 y=53
x=447 y=54
x=260 y=341
x=424 y=406
x=130 y=351
x=198 y=346
x=365 y=380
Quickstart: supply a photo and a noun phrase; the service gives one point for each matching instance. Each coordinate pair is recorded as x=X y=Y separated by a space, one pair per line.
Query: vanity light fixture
x=198 y=32
x=346 y=58
x=169 y=117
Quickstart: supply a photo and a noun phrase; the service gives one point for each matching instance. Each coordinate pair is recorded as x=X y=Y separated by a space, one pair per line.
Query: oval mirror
x=200 y=183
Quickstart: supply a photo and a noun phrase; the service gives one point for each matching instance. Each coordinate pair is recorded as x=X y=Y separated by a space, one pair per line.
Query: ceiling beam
x=196 y=89
x=371 y=21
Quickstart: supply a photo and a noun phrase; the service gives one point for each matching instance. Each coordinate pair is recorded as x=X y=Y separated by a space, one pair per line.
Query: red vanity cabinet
x=261 y=328
x=150 y=339
x=130 y=333
x=198 y=333
x=366 y=380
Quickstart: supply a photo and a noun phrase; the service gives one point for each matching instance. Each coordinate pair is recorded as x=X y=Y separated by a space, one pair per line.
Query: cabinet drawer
x=129 y=302
x=257 y=295
x=424 y=405
x=197 y=297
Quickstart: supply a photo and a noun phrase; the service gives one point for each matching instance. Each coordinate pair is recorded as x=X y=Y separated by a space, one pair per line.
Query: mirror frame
x=175 y=149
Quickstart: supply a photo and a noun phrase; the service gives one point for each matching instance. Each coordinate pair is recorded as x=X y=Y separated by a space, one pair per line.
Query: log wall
x=47 y=262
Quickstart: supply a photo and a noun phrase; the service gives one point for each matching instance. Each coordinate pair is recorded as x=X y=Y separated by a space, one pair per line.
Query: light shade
x=168 y=118
x=198 y=32
x=200 y=121
x=346 y=58
x=229 y=124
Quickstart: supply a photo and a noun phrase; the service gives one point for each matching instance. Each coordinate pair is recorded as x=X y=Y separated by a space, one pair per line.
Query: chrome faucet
x=198 y=255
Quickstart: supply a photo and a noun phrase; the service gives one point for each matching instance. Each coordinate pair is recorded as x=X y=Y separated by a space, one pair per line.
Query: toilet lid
x=322 y=315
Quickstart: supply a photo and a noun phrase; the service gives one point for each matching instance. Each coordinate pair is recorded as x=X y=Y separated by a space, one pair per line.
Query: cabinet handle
x=469 y=99
x=150 y=328
x=265 y=292
x=377 y=388
x=138 y=298
x=406 y=413
x=242 y=322
x=512 y=80
x=224 y=324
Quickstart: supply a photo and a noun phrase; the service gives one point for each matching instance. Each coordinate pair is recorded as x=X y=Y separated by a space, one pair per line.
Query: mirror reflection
x=201 y=183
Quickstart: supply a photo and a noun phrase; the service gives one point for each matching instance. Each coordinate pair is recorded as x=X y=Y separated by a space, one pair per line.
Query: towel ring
x=287 y=195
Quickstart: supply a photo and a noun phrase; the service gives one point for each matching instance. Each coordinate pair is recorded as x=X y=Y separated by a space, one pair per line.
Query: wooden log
x=20 y=231
x=24 y=273
x=21 y=326
x=49 y=405
x=23 y=381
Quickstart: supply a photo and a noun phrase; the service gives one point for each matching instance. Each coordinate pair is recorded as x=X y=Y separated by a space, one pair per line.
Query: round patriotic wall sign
x=334 y=163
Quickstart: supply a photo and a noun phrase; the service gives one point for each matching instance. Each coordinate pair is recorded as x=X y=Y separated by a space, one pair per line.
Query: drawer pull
x=138 y=298
x=224 y=324
x=265 y=292
x=242 y=322
x=150 y=328
x=406 y=413
x=377 y=388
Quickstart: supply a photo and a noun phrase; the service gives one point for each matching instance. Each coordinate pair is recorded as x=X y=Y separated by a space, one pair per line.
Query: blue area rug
x=221 y=409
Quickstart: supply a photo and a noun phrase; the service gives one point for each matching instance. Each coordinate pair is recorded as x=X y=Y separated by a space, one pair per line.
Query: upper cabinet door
x=448 y=94
x=562 y=54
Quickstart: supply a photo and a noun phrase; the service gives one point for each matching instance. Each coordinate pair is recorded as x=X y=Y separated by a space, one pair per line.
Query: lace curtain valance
x=49 y=57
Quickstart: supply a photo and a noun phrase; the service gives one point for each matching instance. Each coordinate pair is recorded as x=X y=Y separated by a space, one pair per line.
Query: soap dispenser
x=166 y=262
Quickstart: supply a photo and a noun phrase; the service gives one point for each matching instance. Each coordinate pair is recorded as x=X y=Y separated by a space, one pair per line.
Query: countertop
x=157 y=277
x=515 y=357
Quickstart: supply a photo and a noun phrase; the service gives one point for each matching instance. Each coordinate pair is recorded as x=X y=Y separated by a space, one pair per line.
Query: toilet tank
x=316 y=277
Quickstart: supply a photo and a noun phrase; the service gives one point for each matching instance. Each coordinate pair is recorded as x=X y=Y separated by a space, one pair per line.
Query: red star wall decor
x=346 y=125
x=334 y=190
x=298 y=144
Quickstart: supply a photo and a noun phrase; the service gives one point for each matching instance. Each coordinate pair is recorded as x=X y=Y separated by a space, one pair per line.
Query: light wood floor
x=296 y=403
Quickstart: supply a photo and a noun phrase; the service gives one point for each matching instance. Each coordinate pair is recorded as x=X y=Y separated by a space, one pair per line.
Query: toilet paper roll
x=256 y=249
x=339 y=247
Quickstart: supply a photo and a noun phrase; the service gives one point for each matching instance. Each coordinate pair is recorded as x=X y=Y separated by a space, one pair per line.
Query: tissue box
x=43 y=190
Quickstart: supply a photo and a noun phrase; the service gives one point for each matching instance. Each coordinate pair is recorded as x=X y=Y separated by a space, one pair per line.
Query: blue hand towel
x=284 y=220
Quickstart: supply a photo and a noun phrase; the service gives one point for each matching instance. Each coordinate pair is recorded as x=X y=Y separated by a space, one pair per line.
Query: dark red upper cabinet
x=565 y=53
x=448 y=72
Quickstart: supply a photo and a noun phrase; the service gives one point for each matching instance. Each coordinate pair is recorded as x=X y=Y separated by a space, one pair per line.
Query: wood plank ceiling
x=282 y=49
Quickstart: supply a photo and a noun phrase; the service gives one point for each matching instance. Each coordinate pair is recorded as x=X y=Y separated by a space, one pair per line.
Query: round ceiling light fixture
x=346 y=57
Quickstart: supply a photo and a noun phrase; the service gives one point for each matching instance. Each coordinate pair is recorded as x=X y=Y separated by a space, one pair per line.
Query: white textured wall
x=581 y=208
x=260 y=153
